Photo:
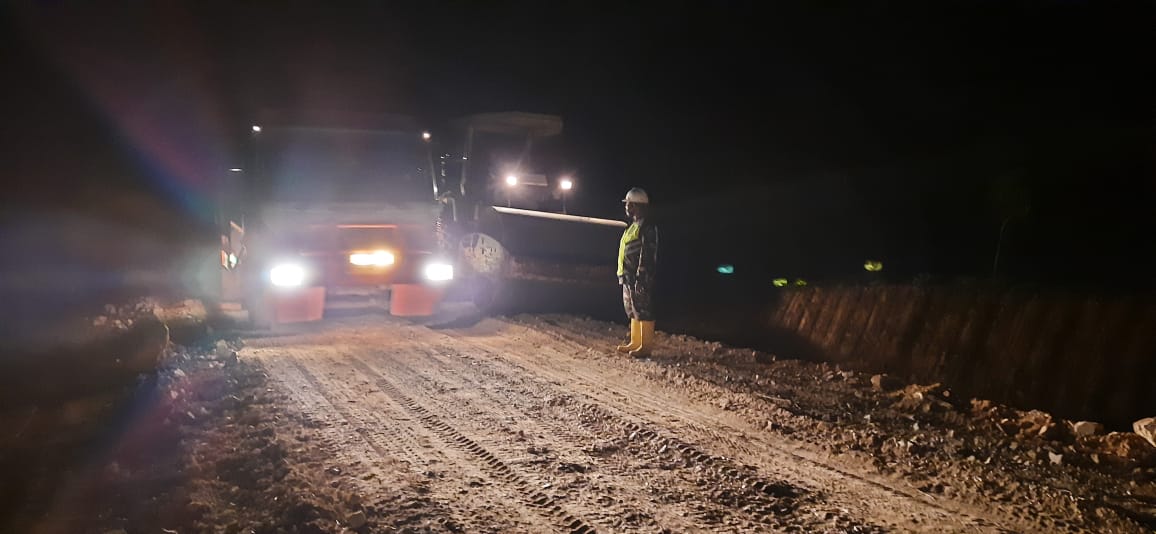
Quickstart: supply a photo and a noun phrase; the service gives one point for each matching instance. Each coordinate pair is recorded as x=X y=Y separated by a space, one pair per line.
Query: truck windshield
x=342 y=165
x=330 y=239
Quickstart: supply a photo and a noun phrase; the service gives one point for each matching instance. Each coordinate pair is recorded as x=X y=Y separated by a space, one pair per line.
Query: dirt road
x=531 y=425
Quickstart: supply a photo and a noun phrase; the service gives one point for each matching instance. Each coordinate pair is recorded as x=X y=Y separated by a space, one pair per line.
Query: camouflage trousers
x=636 y=300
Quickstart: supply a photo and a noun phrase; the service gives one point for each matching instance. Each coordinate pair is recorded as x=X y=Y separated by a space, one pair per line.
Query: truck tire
x=261 y=315
x=487 y=295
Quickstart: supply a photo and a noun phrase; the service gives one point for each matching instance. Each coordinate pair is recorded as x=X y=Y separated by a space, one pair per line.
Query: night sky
x=796 y=138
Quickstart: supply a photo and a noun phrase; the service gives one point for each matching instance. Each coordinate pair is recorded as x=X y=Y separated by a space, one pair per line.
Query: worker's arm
x=648 y=256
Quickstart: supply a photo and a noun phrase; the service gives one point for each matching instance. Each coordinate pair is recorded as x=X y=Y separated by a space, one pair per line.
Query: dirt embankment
x=1077 y=355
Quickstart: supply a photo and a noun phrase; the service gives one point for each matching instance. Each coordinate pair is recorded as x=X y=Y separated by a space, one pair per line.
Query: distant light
x=511 y=180
x=566 y=184
x=780 y=282
x=425 y=136
x=464 y=158
x=873 y=266
x=800 y=283
x=256 y=129
x=234 y=169
x=726 y=268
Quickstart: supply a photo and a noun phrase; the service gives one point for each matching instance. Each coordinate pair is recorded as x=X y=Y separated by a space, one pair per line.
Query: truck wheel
x=260 y=312
x=487 y=295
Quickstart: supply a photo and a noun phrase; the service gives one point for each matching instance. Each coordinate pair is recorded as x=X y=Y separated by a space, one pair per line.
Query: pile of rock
x=1032 y=429
x=101 y=351
x=1146 y=428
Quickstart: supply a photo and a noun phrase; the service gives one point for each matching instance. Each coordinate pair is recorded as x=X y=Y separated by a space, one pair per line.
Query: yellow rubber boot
x=635 y=335
x=645 y=339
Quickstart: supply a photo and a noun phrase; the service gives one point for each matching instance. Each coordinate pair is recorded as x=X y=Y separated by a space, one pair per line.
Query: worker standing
x=637 y=259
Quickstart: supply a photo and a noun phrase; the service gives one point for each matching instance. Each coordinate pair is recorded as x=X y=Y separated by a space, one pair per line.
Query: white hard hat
x=637 y=196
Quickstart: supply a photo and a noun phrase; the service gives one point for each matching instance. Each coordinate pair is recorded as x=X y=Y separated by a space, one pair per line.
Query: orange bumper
x=297 y=305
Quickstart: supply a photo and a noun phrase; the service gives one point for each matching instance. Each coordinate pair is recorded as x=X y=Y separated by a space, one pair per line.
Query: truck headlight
x=287 y=275
x=377 y=258
x=438 y=271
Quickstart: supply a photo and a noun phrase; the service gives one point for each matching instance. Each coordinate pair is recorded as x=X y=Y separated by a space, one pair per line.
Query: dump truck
x=332 y=211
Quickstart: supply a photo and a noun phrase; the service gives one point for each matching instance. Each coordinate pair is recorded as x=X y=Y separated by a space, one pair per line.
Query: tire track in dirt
x=312 y=406
x=429 y=397
x=383 y=437
x=488 y=413
x=345 y=343
x=744 y=493
x=375 y=437
x=573 y=338
x=549 y=360
x=561 y=427
x=386 y=438
x=741 y=490
x=596 y=440
x=498 y=469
